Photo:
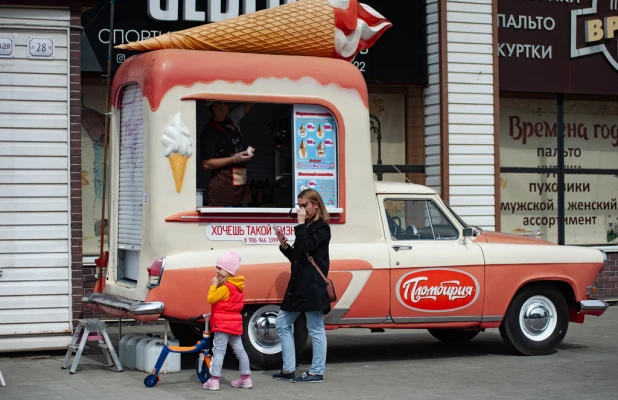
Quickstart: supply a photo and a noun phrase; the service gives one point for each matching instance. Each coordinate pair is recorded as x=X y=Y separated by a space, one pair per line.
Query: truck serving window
x=417 y=220
x=294 y=147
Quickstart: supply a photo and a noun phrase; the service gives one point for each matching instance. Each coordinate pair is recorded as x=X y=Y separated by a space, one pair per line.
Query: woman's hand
x=215 y=281
x=282 y=240
x=242 y=156
x=302 y=215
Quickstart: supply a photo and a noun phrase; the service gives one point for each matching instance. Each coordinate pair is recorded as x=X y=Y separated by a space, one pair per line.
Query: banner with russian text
x=528 y=139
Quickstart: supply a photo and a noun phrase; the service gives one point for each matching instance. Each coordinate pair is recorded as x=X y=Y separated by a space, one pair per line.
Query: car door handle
x=397 y=247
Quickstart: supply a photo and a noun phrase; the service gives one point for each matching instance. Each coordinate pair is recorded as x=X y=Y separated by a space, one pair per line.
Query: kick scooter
x=202 y=367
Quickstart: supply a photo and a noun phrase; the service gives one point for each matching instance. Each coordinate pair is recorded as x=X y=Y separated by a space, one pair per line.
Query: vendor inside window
x=245 y=157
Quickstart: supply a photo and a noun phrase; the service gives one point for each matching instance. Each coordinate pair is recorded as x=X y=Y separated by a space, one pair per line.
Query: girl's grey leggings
x=218 y=353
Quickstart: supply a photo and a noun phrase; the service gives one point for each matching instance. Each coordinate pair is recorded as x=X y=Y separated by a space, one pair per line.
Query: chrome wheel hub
x=537 y=318
x=262 y=330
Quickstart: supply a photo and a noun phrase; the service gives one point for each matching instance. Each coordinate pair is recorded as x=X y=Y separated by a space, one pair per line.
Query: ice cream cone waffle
x=319 y=28
x=179 y=166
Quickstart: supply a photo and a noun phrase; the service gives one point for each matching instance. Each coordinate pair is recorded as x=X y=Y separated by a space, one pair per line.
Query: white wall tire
x=260 y=337
x=536 y=321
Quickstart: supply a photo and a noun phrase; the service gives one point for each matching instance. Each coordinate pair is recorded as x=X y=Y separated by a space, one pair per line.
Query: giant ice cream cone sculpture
x=320 y=28
x=177 y=147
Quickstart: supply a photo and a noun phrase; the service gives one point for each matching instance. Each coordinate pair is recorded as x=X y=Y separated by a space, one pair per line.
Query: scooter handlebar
x=203 y=317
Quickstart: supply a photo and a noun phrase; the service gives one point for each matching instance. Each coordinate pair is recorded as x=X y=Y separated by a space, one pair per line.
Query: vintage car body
x=386 y=275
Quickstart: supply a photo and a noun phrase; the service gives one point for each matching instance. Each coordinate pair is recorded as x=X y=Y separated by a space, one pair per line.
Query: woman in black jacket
x=306 y=291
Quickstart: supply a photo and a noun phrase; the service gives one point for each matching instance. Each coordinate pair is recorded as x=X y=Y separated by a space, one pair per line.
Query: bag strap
x=316 y=267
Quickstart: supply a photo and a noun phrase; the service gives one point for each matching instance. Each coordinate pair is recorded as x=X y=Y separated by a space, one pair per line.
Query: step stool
x=90 y=330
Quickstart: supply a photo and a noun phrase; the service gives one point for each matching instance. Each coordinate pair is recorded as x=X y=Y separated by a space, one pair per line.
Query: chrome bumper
x=593 y=305
x=132 y=307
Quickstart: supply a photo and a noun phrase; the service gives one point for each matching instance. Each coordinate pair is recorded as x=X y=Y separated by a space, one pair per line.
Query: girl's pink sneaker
x=243 y=383
x=211 y=384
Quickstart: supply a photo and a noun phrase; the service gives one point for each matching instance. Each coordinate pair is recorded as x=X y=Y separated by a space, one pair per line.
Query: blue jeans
x=315 y=325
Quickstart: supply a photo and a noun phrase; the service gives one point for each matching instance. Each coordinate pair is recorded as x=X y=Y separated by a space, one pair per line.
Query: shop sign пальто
x=568 y=46
x=528 y=139
x=136 y=20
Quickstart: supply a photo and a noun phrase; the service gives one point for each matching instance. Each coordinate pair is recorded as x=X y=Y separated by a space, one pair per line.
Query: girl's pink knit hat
x=229 y=262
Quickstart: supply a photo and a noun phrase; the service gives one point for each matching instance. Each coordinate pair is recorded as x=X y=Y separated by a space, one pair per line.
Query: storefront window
x=529 y=140
x=93 y=129
x=388 y=138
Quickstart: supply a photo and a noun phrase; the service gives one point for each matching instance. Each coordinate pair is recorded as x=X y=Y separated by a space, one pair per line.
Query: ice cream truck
x=400 y=257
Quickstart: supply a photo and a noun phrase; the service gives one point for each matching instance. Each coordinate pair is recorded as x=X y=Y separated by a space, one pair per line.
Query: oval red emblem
x=437 y=290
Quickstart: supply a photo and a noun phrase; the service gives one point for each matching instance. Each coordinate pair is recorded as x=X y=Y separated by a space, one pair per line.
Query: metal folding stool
x=90 y=330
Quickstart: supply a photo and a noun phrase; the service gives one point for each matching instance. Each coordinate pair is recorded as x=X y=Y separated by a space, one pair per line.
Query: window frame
x=426 y=198
x=559 y=170
x=248 y=213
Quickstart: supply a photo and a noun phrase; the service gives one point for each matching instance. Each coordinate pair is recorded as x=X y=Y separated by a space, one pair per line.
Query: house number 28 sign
x=41 y=47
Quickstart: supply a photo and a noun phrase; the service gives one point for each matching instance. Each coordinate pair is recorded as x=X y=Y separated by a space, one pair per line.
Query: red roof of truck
x=159 y=71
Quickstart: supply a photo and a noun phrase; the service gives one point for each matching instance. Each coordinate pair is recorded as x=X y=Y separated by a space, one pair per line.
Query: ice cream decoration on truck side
x=177 y=147
x=318 y=28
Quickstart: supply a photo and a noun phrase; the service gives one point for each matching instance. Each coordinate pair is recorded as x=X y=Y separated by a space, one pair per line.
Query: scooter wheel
x=151 y=380
x=204 y=374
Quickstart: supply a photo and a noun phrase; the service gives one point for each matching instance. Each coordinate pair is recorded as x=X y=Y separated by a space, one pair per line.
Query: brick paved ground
x=361 y=365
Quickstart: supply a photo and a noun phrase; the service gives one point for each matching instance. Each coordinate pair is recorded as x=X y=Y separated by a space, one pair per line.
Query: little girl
x=227 y=299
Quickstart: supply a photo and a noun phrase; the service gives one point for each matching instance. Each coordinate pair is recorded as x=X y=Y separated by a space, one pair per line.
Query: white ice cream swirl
x=348 y=45
x=177 y=138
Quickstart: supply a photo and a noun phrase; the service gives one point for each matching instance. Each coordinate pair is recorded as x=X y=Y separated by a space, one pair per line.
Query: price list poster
x=315 y=152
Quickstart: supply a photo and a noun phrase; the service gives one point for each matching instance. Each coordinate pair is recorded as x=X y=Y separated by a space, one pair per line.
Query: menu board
x=315 y=152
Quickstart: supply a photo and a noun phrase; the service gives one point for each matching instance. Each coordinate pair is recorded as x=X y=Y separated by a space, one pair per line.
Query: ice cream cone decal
x=320 y=131
x=303 y=149
x=177 y=147
x=319 y=28
x=320 y=151
x=302 y=131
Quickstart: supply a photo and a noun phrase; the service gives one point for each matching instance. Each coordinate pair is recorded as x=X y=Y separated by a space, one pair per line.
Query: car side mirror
x=468 y=232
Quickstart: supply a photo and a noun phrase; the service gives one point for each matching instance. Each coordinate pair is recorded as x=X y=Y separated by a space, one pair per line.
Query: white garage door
x=35 y=259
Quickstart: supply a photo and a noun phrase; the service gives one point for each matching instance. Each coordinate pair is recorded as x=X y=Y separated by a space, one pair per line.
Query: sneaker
x=243 y=383
x=211 y=384
x=306 y=377
x=284 y=377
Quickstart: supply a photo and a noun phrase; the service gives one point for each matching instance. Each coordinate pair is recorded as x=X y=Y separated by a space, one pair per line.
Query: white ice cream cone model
x=319 y=28
x=177 y=147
